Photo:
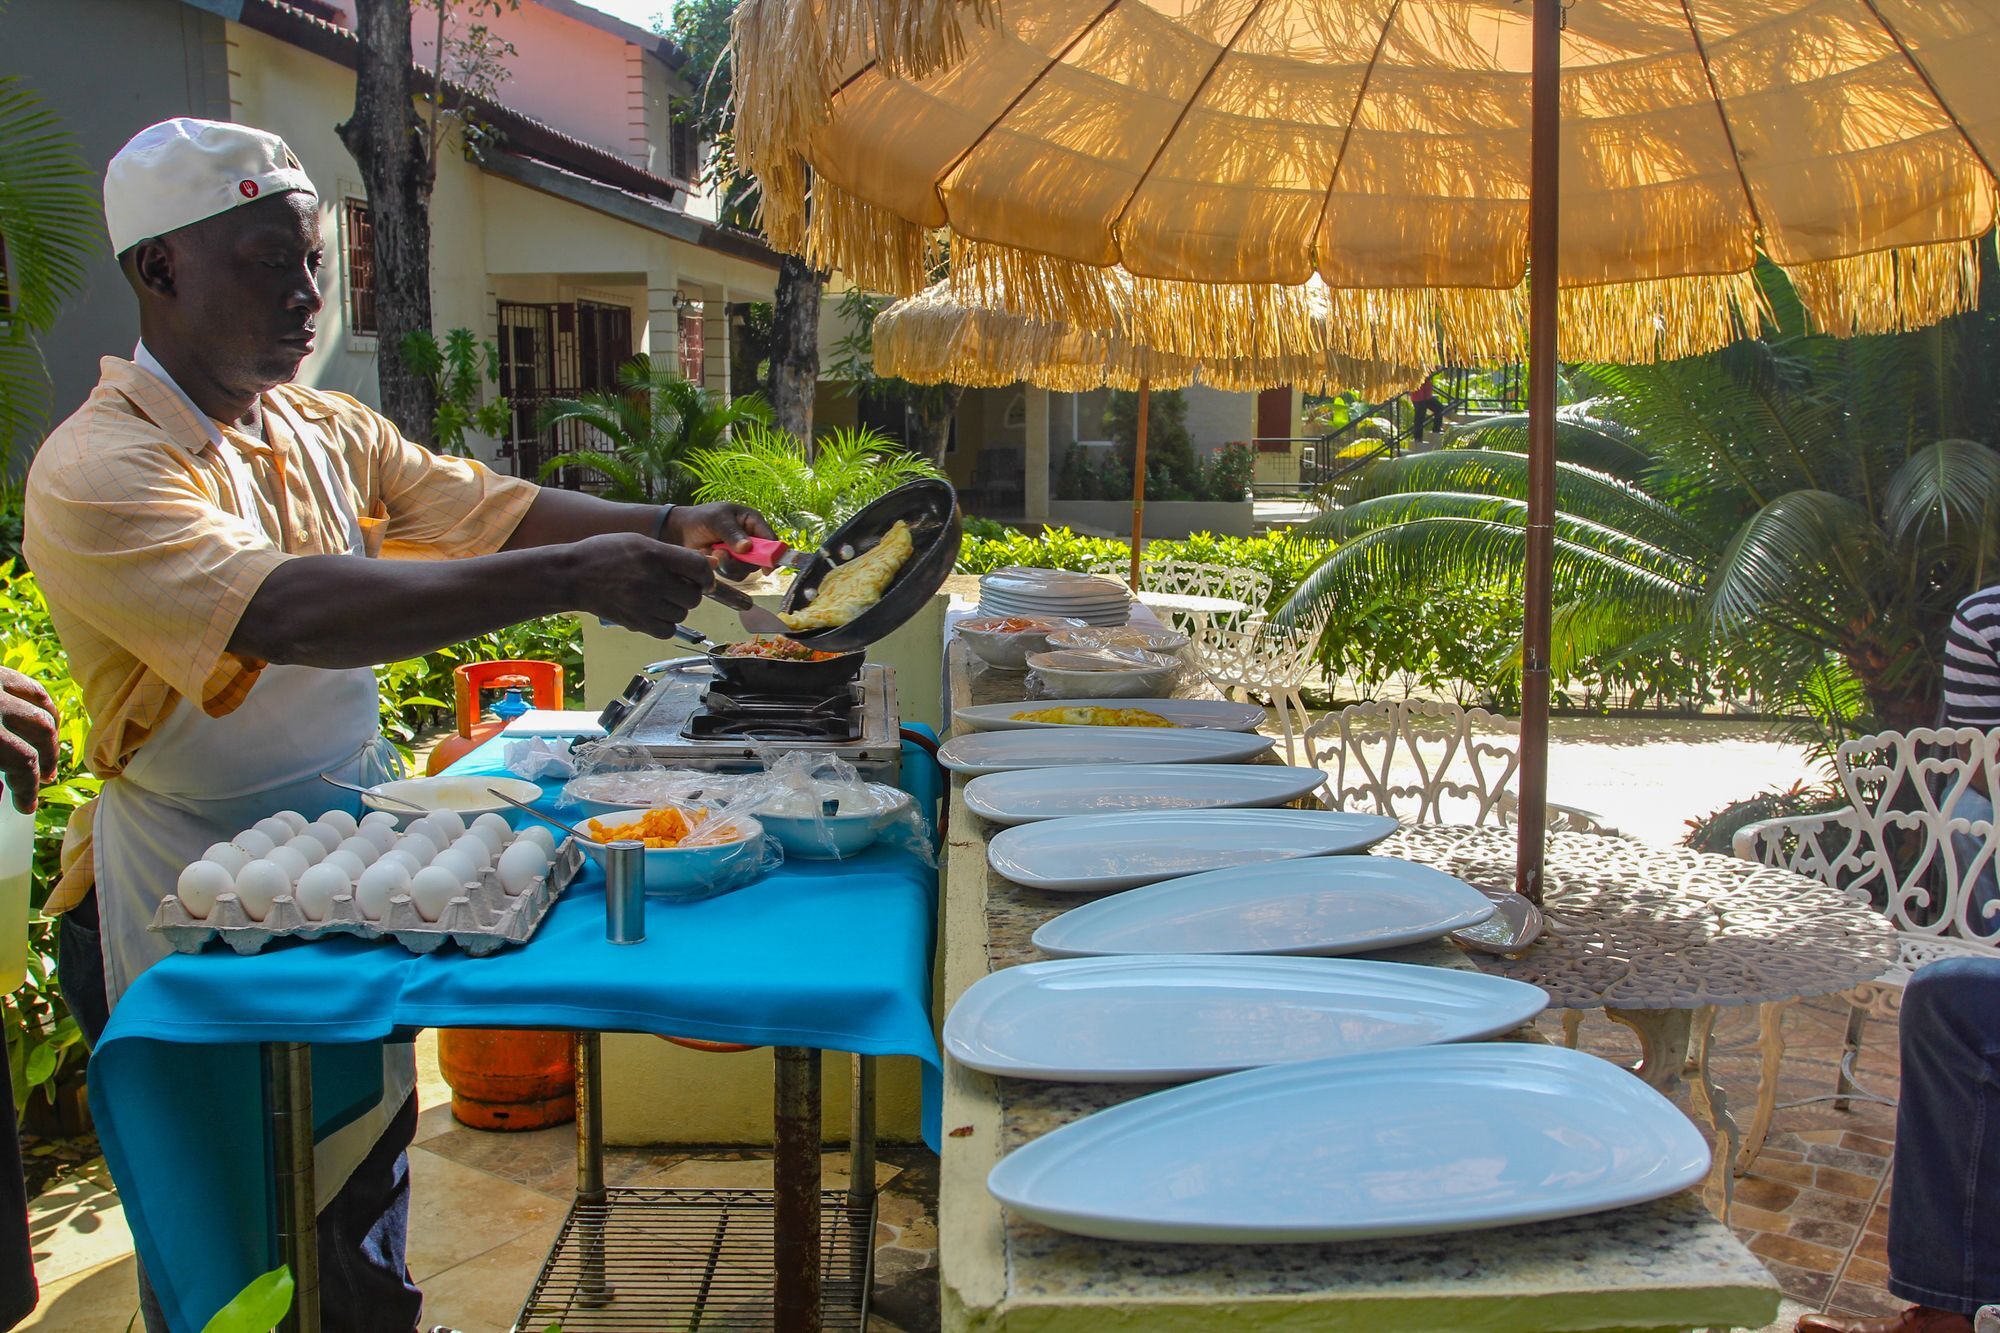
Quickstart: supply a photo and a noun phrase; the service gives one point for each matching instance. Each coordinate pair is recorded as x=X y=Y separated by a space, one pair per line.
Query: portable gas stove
x=677 y=713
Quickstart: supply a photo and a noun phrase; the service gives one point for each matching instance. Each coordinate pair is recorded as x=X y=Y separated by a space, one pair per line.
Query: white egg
x=460 y=864
x=255 y=844
x=495 y=829
x=407 y=859
x=431 y=888
x=258 y=884
x=361 y=849
x=521 y=863
x=350 y=864
x=276 y=829
x=311 y=848
x=377 y=885
x=229 y=856
x=541 y=834
x=294 y=820
x=383 y=836
x=325 y=834
x=318 y=887
x=378 y=819
x=290 y=860
x=340 y=822
x=199 y=884
x=419 y=845
x=425 y=826
x=475 y=847
x=448 y=822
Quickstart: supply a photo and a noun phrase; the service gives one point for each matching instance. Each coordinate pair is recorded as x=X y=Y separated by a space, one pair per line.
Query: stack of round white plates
x=1054 y=593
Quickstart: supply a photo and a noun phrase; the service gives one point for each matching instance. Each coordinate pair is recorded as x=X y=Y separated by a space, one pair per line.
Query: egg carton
x=483 y=919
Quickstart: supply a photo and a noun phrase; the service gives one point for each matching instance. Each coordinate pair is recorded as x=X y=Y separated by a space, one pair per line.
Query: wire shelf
x=692 y=1261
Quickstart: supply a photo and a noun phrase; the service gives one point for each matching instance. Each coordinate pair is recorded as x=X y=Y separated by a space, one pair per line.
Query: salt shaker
x=625 y=892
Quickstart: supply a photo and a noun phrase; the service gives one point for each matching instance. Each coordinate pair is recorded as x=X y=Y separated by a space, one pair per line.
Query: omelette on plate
x=852 y=588
x=1091 y=715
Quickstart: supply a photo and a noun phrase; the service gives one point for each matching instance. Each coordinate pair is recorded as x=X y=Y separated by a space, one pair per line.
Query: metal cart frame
x=639 y=1257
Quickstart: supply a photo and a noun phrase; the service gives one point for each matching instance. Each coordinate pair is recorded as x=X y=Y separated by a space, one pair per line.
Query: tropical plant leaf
x=1951 y=482
x=258 y=1308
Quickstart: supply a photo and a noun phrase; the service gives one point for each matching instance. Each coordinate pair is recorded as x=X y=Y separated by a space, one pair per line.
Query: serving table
x=218 y=1072
x=1665 y=1265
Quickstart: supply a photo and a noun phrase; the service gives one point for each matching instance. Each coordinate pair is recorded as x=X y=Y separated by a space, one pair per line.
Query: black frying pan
x=931 y=509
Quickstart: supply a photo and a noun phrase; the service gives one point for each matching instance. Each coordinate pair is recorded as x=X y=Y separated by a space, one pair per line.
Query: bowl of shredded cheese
x=690 y=850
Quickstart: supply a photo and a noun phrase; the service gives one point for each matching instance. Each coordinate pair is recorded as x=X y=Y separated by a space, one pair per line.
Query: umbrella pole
x=1545 y=128
x=1139 y=478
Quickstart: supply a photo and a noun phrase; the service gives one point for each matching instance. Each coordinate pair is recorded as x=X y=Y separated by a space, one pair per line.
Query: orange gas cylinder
x=541 y=682
x=505 y=1078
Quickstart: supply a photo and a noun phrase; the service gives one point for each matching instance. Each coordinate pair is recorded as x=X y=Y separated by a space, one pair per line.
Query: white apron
x=199 y=780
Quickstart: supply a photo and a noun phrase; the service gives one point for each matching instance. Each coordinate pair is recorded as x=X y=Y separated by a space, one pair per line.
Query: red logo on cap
x=248 y=189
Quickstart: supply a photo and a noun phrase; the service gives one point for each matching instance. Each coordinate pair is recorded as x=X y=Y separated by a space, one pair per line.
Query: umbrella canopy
x=1226 y=151
x=1423 y=158
x=939 y=336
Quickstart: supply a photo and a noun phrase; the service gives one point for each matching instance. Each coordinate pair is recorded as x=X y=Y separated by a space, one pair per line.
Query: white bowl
x=1008 y=649
x=470 y=797
x=1119 y=636
x=844 y=833
x=689 y=874
x=1074 y=674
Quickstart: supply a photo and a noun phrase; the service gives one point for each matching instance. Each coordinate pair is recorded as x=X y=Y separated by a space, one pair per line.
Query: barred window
x=684 y=151
x=358 y=236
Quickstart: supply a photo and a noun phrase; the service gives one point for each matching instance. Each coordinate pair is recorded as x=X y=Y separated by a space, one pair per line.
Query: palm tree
x=50 y=222
x=806 y=495
x=656 y=425
x=1792 y=501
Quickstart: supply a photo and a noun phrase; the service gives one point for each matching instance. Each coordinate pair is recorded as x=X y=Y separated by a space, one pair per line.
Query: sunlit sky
x=638 y=12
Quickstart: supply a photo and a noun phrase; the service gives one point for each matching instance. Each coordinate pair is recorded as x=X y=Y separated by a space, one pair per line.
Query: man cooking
x=207 y=534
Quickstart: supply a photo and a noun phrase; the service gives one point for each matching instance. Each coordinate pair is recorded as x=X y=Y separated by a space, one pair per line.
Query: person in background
x=1429 y=407
x=210 y=535
x=1944 y=1214
x=1972 y=699
x=28 y=727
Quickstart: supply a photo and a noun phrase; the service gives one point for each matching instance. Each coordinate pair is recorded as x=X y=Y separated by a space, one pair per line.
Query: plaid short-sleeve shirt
x=148 y=554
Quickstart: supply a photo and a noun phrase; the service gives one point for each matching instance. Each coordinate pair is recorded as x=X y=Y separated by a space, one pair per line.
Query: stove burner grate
x=775 y=717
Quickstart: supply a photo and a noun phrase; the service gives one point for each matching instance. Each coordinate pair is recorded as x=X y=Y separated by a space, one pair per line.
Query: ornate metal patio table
x=1660 y=938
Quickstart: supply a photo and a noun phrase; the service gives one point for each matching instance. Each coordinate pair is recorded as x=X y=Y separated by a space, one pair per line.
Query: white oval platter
x=1027 y=795
x=1181 y=714
x=1326 y=906
x=1398 y=1143
x=1104 y=853
x=1053 y=747
x=1171 y=1018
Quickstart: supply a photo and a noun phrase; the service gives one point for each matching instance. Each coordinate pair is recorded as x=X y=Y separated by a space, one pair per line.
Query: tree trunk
x=795 y=349
x=387 y=142
x=931 y=416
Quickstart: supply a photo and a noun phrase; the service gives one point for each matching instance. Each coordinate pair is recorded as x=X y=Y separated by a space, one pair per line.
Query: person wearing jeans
x=1944 y=1215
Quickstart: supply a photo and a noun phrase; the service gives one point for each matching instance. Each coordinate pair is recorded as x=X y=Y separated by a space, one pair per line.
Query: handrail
x=1459 y=388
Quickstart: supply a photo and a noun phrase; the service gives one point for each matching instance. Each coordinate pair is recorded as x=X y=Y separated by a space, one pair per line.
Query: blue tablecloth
x=834 y=955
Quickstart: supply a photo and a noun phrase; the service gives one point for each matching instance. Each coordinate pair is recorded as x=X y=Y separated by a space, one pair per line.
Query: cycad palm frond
x=52 y=222
x=1946 y=485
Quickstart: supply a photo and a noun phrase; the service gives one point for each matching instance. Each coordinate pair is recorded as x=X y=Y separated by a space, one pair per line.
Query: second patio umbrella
x=938 y=336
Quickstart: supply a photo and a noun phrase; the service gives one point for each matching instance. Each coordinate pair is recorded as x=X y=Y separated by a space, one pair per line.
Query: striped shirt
x=1972 y=663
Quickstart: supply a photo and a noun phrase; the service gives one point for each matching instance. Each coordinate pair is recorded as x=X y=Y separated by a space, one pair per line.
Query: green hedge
x=1459 y=639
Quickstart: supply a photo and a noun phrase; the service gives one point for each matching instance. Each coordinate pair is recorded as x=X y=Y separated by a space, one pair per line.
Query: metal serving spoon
x=551 y=822
x=374 y=795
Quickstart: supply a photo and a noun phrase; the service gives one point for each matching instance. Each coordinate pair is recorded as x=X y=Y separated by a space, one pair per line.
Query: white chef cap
x=183 y=170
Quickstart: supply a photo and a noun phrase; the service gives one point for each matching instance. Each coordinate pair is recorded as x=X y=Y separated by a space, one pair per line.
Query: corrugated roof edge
x=533 y=138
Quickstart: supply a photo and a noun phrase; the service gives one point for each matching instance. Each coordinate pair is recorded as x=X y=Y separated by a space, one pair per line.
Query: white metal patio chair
x=1263 y=659
x=1195 y=578
x=1429 y=763
x=1902 y=845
